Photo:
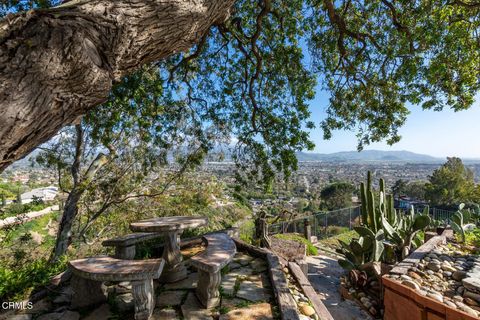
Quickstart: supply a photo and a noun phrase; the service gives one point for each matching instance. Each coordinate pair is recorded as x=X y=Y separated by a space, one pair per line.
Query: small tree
x=450 y=184
x=399 y=188
x=337 y=195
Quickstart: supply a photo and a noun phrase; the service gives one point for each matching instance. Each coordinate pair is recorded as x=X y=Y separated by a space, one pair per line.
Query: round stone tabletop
x=165 y=224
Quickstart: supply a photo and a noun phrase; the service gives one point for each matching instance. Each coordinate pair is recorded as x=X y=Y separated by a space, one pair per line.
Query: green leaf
x=364 y=232
x=346 y=264
x=421 y=222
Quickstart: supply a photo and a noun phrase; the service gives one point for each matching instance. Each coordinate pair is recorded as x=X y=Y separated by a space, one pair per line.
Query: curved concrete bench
x=220 y=251
x=89 y=274
x=125 y=245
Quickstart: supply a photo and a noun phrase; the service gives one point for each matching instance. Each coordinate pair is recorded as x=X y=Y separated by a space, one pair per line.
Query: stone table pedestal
x=172 y=227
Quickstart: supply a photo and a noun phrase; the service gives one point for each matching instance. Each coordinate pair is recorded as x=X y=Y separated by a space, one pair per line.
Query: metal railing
x=331 y=223
x=322 y=224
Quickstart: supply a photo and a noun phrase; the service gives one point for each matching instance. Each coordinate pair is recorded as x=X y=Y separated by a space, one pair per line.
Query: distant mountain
x=368 y=155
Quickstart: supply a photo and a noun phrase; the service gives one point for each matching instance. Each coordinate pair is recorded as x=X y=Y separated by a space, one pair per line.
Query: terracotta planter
x=402 y=302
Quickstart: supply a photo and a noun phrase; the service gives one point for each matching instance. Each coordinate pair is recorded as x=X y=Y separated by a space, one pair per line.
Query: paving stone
x=232 y=303
x=101 y=313
x=262 y=311
x=234 y=265
x=251 y=291
x=242 y=259
x=192 y=310
x=165 y=314
x=242 y=272
x=228 y=284
x=39 y=307
x=66 y=315
x=170 y=298
x=472 y=284
x=258 y=265
x=20 y=317
x=188 y=283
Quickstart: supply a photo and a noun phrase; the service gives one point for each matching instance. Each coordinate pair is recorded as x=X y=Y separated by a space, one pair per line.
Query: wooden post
x=264 y=240
x=307 y=230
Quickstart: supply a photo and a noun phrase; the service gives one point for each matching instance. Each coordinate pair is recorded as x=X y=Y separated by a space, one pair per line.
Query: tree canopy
x=451 y=184
x=251 y=77
x=337 y=195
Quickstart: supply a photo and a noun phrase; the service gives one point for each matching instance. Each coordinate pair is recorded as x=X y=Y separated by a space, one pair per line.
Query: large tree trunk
x=56 y=64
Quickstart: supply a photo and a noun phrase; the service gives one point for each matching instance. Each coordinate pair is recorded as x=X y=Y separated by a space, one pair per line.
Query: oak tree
x=244 y=68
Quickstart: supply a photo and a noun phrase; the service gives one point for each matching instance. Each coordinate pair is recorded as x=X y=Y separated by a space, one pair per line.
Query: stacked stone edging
x=437 y=281
x=286 y=303
x=309 y=291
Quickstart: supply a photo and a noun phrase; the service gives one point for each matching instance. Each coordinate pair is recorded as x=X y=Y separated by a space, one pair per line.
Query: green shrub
x=247 y=231
x=336 y=230
x=17 y=283
x=311 y=249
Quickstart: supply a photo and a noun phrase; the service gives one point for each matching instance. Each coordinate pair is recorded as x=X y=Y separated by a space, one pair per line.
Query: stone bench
x=89 y=273
x=219 y=252
x=125 y=246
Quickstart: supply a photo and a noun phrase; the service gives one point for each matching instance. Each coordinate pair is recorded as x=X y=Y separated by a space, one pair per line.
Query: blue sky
x=439 y=134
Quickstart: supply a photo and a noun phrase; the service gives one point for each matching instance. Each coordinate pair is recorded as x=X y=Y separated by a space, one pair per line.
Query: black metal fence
x=331 y=223
x=322 y=224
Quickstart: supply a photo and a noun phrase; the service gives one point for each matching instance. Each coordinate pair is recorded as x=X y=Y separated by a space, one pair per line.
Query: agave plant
x=404 y=233
x=368 y=247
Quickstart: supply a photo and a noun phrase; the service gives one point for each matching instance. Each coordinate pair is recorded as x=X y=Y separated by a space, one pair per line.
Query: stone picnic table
x=171 y=227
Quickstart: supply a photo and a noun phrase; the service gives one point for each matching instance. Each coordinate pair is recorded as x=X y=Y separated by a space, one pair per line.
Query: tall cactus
x=372 y=213
x=363 y=198
x=399 y=229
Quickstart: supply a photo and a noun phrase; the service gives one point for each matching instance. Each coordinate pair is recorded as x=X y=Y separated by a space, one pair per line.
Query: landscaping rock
x=472 y=295
x=124 y=302
x=468 y=310
x=307 y=310
x=411 y=284
x=435 y=296
x=459 y=275
x=433 y=266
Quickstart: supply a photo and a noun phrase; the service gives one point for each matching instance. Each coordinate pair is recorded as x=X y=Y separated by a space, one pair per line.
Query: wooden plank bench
x=219 y=252
x=125 y=246
x=89 y=273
